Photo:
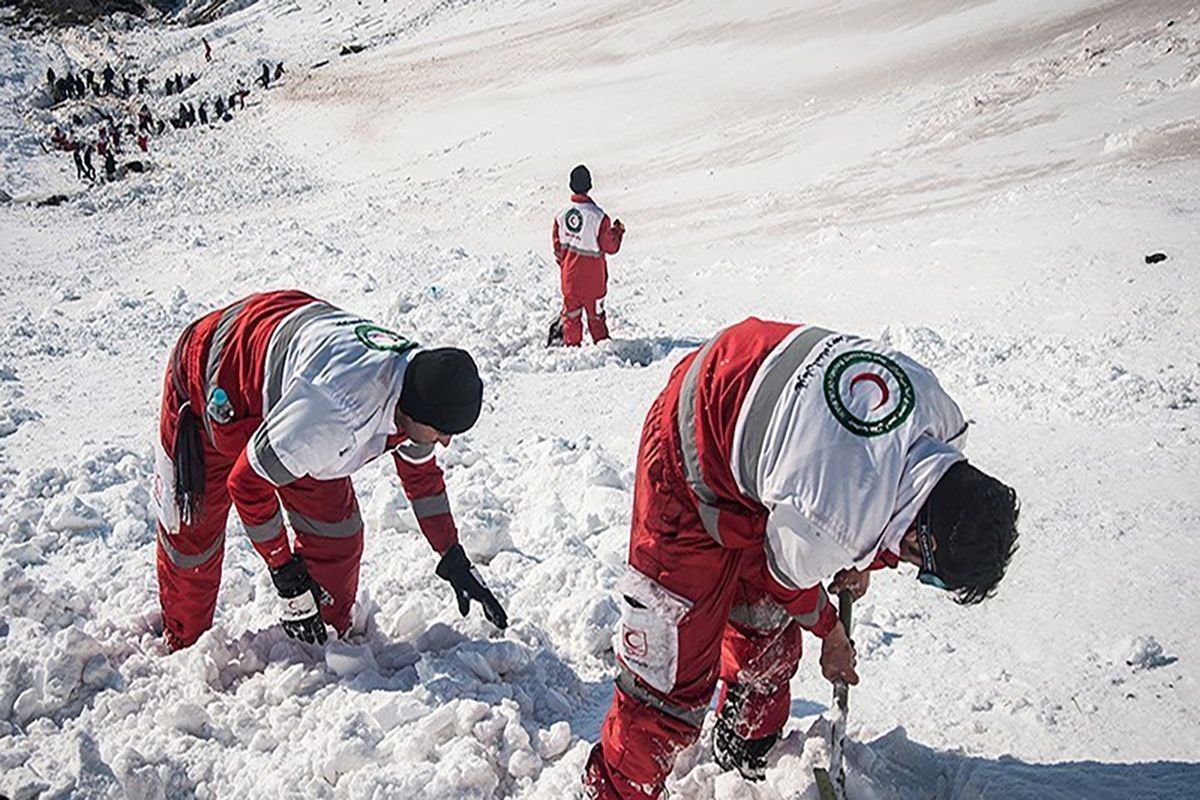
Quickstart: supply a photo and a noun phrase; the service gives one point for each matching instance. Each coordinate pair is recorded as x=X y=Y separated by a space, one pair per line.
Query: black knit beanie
x=581 y=180
x=442 y=389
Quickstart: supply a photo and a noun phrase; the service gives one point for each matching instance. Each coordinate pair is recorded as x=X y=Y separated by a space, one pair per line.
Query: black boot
x=747 y=756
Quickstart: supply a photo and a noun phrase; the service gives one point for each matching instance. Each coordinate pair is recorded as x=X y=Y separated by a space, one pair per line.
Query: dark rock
x=1154 y=258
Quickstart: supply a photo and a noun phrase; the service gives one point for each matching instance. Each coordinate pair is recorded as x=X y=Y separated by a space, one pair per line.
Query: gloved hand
x=302 y=600
x=456 y=568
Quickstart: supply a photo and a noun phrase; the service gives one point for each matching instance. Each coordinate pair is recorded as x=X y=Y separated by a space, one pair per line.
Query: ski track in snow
x=999 y=167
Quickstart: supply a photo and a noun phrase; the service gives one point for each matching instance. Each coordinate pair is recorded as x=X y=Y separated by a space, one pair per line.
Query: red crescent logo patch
x=884 y=394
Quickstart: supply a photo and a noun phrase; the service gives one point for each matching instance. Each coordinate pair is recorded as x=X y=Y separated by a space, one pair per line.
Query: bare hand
x=838 y=657
x=851 y=580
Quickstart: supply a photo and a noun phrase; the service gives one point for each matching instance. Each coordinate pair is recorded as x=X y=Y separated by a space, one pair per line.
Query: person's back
x=582 y=235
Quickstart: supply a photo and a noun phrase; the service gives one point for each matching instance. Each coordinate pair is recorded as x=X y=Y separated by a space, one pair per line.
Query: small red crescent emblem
x=884 y=394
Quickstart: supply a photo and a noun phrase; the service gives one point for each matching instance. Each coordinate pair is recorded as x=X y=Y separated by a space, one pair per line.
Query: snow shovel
x=831 y=783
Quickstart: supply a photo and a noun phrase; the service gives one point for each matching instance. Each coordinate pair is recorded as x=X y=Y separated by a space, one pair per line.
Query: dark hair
x=973 y=517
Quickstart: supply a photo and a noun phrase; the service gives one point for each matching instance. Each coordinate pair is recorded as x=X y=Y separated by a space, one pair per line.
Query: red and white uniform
x=777 y=455
x=583 y=234
x=313 y=391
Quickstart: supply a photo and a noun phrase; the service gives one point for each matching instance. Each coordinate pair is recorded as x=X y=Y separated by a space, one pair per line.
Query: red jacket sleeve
x=257 y=505
x=425 y=488
x=609 y=237
x=558 y=256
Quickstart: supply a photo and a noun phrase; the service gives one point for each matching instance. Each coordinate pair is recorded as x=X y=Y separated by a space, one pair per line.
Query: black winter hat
x=581 y=180
x=442 y=389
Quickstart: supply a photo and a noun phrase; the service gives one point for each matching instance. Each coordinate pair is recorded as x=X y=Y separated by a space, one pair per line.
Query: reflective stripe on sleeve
x=813 y=617
x=414 y=452
x=774 y=382
x=431 y=506
x=185 y=561
x=627 y=684
x=266 y=458
x=348 y=527
x=267 y=530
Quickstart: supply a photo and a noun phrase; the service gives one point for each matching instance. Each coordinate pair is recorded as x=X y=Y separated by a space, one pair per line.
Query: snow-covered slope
x=976 y=182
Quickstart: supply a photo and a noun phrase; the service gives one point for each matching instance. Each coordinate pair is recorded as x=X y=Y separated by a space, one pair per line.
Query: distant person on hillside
x=203 y=112
x=143 y=84
x=108 y=76
x=582 y=236
x=219 y=107
x=110 y=166
x=265 y=77
x=269 y=406
x=80 y=170
x=279 y=70
x=207 y=49
x=87 y=162
x=778 y=459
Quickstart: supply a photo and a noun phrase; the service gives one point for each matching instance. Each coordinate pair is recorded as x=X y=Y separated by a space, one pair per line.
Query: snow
x=975 y=183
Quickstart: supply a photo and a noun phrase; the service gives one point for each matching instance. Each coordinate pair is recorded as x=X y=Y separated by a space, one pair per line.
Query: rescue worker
x=269 y=405
x=778 y=457
x=582 y=235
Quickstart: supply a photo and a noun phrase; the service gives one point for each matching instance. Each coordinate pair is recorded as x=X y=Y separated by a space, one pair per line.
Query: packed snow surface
x=977 y=183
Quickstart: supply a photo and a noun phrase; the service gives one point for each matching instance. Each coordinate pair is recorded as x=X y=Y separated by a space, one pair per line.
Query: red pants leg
x=329 y=534
x=646 y=726
x=189 y=560
x=756 y=669
x=572 y=322
x=597 y=320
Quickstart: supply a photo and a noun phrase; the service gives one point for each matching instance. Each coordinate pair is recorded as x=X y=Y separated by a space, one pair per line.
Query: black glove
x=302 y=600
x=468 y=585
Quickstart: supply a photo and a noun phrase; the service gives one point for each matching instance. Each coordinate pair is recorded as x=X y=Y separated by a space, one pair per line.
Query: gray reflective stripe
x=627 y=684
x=775 y=380
x=414 y=452
x=773 y=564
x=185 y=561
x=575 y=314
x=580 y=250
x=431 y=506
x=762 y=616
x=329 y=530
x=268 y=459
x=814 y=616
x=215 y=349
x=268 y=530
x=686 y=412
x=277 y=350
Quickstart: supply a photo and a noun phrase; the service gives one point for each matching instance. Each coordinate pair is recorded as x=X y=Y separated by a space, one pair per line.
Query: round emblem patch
x=378 y=338
x=574 y=220
x=868 y=393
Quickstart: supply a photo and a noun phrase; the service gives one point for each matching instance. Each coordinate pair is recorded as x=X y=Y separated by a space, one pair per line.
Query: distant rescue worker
x=265 y=77
x=87 y=162
x=203 y=112
x=778 y=458
x=110 y=165
x=279 y=70
x=207 y=49
x=582 y=236
x=269 y=406
x=80 y=170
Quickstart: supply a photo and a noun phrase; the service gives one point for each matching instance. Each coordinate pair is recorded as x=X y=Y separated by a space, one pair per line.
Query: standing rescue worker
x=778 y=457
x=269 y=405
x=582 y=235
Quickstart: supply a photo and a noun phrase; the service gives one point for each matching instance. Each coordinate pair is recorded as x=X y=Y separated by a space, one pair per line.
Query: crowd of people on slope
x=120 y=128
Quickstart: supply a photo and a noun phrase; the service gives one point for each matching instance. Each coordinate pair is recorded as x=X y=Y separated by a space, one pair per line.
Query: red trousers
x=731 y=627
x=324 y=516
x=572 y=320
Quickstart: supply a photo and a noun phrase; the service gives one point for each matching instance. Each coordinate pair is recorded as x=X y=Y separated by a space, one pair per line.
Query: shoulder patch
x=868 y=393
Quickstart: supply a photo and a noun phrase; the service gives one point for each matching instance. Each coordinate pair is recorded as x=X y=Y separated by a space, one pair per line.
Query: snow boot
x=747 y=756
